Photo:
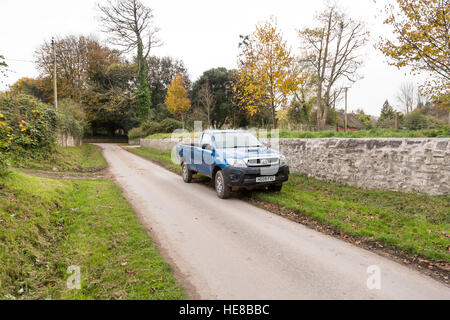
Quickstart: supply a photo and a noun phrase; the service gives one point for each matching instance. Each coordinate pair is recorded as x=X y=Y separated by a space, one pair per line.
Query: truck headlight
x=237 y=163
x=283 y=161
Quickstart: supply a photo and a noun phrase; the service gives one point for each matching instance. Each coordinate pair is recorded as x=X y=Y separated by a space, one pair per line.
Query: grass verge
x=163 y=158
x=417 y=225
x=85 y=158
x=48 y=225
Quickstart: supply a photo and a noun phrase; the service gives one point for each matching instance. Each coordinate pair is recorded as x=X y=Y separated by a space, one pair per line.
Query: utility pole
x=345 y=112
x=55 y=86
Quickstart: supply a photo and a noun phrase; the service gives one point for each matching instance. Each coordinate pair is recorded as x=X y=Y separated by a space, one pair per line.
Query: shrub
x=416 y=121
x=430 y=133
x=150 y=127
x=33 y=123
x=444 y=131
x=387 y=123
x=170 y=125
x=5 y=142
x=135 y=133
x=365 y=119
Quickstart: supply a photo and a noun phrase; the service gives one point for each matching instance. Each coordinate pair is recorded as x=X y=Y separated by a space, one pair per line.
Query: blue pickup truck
x=233 y=159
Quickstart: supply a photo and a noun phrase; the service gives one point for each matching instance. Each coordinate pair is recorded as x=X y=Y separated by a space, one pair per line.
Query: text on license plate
x=265 y=179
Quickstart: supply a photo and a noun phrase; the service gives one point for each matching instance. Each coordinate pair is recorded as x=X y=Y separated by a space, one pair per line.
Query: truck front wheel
x=223 y=191
x=186 y=173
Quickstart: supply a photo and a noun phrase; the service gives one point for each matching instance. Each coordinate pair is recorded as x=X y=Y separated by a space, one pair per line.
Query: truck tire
x=186 y=173
x=275 y=187
x=223 y=191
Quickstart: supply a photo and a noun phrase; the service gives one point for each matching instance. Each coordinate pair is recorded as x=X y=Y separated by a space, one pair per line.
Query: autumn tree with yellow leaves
x=177 y=100
x=266 y=74
x=421 y=30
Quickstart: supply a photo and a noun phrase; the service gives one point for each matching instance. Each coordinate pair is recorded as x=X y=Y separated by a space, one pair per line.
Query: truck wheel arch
x=215 y=170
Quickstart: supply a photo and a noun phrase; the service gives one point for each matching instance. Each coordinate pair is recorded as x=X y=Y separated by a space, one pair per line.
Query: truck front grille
x=262 y=162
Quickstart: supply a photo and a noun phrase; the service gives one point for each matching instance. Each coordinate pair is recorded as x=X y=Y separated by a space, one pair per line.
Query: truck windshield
x=236 y=140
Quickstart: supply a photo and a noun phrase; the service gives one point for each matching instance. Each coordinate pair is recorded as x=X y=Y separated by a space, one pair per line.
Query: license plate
x=265 y=179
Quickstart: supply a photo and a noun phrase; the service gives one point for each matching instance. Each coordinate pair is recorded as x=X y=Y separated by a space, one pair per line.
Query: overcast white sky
x=203 y=33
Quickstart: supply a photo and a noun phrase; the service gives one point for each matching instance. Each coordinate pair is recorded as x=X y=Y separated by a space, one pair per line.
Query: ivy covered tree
x=129 y=23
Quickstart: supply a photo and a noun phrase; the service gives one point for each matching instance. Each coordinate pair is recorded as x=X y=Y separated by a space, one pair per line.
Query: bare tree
x=207 y=99
x=332 y=51
x=406 y=96
x=72 y=60
x=129 y=24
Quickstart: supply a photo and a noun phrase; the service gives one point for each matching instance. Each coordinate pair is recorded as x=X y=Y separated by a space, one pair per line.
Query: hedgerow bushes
x=28 y=128
x=32 y=123
x=5 y=142
x=151 y=127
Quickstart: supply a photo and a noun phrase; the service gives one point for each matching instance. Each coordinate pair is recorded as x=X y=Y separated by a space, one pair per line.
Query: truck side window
x=206 y=140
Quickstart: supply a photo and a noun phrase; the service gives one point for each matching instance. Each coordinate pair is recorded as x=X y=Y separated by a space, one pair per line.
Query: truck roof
x=224 y=131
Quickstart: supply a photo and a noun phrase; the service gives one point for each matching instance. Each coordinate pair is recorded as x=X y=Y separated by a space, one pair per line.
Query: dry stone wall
x=420 y=165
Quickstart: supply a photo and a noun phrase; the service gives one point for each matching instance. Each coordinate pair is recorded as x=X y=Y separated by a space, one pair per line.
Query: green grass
x=163 y=158
x=415 y=224
x=374 y=133
x=173 y=135
x=47 y=225
x=84 y=158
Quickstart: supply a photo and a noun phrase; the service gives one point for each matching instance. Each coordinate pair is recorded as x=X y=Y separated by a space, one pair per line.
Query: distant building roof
x=353 y=122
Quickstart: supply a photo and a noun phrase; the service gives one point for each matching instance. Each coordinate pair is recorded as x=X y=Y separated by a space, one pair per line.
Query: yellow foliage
x=23 y=126
x=177 y=100
x=266 y=74
x=283 y=118
x=421 y=29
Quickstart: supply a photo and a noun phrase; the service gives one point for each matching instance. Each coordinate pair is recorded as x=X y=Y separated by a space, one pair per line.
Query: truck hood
x=243 y=153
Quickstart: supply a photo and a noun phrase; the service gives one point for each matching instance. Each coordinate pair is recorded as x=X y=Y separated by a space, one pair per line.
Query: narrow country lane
x=229 y=249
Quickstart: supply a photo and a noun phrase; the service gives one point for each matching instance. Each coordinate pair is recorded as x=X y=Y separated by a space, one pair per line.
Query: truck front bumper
x=246 y=177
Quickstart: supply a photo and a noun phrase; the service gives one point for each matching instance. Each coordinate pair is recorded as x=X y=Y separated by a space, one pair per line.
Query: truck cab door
x=207 y=155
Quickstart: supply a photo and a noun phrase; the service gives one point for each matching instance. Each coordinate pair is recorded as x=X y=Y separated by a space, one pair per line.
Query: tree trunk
x=209 y=117
x=319 y=107
x=274 y=116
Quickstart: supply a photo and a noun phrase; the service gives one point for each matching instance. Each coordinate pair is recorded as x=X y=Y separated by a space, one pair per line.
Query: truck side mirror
x=206 y=146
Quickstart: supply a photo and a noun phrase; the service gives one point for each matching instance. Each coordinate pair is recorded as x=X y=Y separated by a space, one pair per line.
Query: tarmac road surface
x=229 y=249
